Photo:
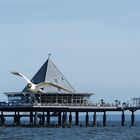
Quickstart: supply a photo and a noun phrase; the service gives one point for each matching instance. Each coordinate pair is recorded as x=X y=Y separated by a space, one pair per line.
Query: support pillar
x=123 y=118
x=94 y=119
x=59 y=118
x=35 y=118
x=18 y=119
x=48 y=118
x=87 y=119
x=76 y=118
x=31 y=117
x=2 y=119
x=104 y=119
x=132 y=119
x=43 y=119
x=15 y=119
x=70 y=119
x=64 y=119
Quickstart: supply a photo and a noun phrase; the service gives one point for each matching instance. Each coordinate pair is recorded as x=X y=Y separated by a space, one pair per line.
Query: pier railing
x=82 y=105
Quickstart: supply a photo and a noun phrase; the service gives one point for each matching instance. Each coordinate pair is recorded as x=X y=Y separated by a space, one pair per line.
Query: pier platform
x=63 y=112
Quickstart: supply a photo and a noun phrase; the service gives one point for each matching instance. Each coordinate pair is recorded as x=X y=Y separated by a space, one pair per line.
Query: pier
x=58 y=99
x=63 y=113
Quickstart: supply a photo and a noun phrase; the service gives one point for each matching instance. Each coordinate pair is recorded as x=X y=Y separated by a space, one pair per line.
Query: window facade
x=50 y=98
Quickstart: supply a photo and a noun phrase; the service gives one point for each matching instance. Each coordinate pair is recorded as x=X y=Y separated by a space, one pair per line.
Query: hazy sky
x=95 y=43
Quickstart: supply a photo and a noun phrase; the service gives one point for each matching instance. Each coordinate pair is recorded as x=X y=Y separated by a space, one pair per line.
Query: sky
x=94 y=43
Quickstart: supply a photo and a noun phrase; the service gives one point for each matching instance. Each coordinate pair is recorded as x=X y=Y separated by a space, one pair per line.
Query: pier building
x=52 y=95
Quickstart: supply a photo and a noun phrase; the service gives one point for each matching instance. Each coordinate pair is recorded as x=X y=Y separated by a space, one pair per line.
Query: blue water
x=114 y=131
x=74 y=133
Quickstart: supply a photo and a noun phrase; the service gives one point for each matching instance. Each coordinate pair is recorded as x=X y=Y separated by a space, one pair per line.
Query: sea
x=113 y=131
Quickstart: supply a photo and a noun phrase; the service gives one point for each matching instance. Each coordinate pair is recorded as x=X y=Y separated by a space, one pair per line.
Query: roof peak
x=49 y=55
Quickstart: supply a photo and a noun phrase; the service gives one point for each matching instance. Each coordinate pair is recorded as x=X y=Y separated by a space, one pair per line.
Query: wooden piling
x=104 y=119
x=87 y=119
x=59 y=118
x=76 y=118
x=132 y=119
x=94 y=119
x=123 y=118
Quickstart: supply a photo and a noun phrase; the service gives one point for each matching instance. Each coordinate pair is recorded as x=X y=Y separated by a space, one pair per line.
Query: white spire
x=49 y=55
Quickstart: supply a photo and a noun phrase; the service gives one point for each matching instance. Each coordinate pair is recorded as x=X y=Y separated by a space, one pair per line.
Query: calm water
x=113 y=132
x=108 y=133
